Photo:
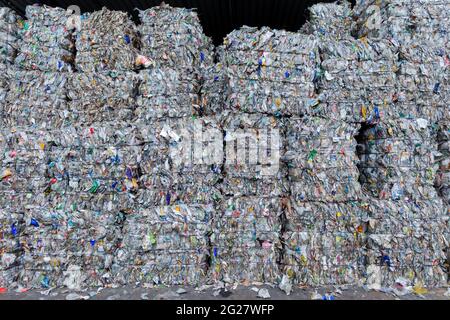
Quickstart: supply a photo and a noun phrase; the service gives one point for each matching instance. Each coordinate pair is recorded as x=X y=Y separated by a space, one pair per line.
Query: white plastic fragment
x=263 y=293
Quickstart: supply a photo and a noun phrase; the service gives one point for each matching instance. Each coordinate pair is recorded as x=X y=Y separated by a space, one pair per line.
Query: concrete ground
x=239 y=293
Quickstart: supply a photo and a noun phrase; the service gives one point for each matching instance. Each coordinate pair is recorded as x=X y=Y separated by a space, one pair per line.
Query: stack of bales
x=97 y=152
x=11 y=216
x=246 y=234
x=325 y=230
x=35 y=103
x=409 y=236
x=408 y=229
x=11 y=219
x=166 y=240
x=269 y=75
x=406 y=242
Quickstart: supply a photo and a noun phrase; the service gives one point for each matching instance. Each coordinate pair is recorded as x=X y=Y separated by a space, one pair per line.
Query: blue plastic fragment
x=13 y=229
x=436 y=88
x=34 y=222
x=129 y=173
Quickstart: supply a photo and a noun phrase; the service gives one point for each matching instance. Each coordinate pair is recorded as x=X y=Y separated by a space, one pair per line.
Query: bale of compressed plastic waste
x=254 y=144
x=423 y=80
x=174 y=38
x=358 y=80
x=330 y=20
x=246 y=246
x=182 y=56
x=65 y=240
x=35 y=98
x=270 y=71
x=11 y=227
x=213 y=89
x=181 y=163
x=46 y=43
x=325 y=242
x=108 y=40
x=398 y=159
x=101 y=96
x=404 y=21
x=417 y=29
x=165 y=245
x=443 y=174
x=322 y=160
x=4 y=87
x=9 y=36
x=408 y=240
x=167 y=92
